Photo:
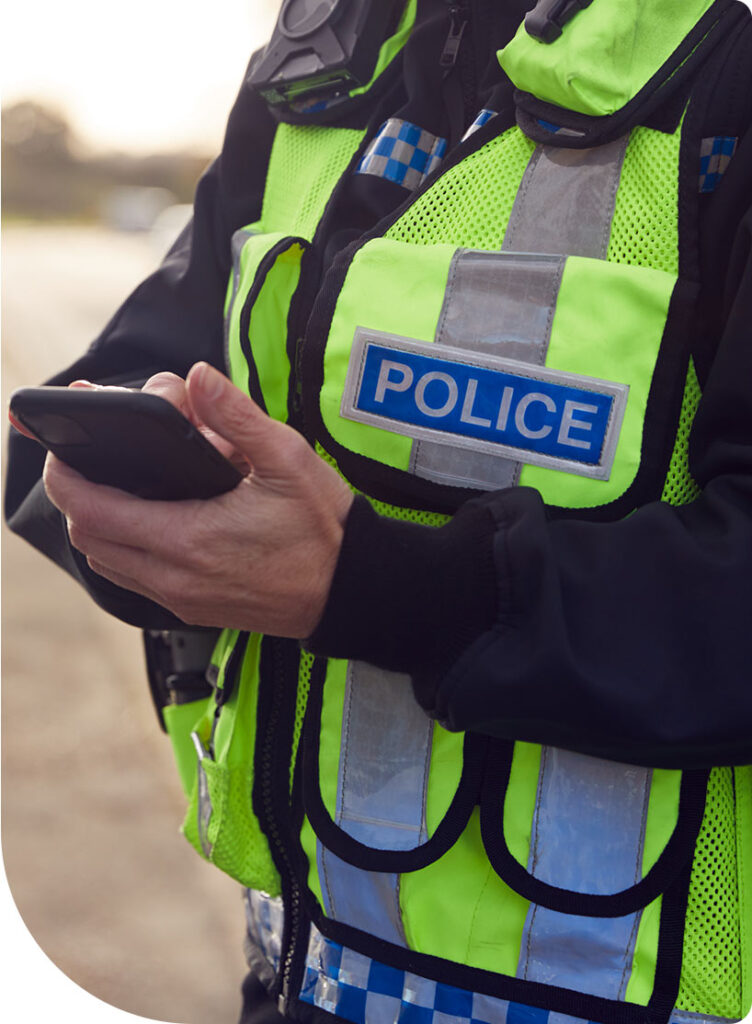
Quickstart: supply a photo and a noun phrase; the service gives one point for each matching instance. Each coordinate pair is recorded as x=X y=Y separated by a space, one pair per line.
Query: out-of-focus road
x=91 y=803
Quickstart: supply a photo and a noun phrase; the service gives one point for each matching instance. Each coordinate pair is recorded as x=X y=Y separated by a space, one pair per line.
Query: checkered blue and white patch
x=264 y=917
x=715 y=155
x=365 y=991
x=404 y=153
x=483 y=118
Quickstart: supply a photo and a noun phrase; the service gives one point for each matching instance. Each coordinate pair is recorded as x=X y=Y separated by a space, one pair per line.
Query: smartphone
x=128 y=439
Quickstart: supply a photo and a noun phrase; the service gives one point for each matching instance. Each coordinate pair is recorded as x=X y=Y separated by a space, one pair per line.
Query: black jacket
x=626 y=640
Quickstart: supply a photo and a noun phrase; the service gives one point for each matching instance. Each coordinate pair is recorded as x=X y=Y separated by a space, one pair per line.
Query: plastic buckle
x=547 y=19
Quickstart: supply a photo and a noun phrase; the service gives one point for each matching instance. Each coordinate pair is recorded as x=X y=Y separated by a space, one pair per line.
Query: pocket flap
x=590 y=838
x=381 y=792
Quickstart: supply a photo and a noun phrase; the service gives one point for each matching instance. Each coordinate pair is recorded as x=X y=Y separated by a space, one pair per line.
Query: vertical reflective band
x=381 y=798
x=501 y=304
x=504 y=303
x=588 y=835
x=565 y=203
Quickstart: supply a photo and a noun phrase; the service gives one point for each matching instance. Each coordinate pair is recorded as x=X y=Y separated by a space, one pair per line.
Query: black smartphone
x=128 y=439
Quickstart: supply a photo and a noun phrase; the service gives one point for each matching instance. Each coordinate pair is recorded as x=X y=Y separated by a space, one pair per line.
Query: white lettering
x=384 y=382
x=467 y=406
x=569 y=423
x=420 y=391
x=522 y=406
x=506 y=404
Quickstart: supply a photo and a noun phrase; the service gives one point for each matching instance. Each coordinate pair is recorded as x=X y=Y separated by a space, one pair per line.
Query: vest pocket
x=220 y=822
x=265 y=277
x=384 y=789
x=586 y=837
x=443 y=370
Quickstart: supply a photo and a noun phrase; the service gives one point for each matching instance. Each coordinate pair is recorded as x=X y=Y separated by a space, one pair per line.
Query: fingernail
x=211 y=381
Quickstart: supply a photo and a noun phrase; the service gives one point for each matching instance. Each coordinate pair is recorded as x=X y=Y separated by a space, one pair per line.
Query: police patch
x=472 y=400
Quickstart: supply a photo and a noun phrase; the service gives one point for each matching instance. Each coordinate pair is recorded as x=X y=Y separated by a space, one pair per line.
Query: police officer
x=496 y=333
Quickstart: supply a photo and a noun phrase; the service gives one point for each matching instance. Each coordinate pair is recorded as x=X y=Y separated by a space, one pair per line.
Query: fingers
x=273 y=449
x=100 y=511
x=170 y=387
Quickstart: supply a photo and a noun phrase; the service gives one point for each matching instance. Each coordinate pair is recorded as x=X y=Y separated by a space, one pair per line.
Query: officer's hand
x=260 y=557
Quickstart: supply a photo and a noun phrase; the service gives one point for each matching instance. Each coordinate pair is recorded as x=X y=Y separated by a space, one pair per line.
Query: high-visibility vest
x=523 y=320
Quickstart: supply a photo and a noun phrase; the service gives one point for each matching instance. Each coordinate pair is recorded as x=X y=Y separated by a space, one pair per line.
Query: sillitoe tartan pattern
x=715 y=155
x=364 y=991
x=404 y=153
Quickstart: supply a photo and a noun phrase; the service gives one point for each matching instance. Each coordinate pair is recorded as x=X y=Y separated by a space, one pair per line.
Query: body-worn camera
x=323 y=48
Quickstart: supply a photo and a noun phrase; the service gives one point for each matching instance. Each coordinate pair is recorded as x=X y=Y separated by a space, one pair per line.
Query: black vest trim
x=368 y=858
x=675 y=856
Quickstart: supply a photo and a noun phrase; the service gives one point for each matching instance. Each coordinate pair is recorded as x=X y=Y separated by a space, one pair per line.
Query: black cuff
x=407 y=597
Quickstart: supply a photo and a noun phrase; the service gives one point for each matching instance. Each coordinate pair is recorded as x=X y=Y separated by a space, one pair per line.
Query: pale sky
x=143 y=75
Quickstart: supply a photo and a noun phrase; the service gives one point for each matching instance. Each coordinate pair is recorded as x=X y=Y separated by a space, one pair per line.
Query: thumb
x=228 y=411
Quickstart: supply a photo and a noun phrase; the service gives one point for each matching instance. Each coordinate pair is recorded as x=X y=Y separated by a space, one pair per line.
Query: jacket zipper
x=457 y=54
x=266 y=792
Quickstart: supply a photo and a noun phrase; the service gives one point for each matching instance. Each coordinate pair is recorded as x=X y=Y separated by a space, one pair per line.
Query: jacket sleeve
x=624 y=640
x=170 y=321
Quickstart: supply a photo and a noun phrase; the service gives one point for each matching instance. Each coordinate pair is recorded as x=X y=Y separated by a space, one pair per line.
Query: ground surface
x=90 y=800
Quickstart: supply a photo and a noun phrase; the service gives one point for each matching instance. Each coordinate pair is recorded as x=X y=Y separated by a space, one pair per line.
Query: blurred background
x=109 y=115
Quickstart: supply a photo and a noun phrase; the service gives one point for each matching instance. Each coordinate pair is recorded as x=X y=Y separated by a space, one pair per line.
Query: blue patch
x=540 y=413
x=519 y=1014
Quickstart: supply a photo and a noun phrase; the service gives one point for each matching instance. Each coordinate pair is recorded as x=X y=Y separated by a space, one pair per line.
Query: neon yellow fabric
x=392 y=46
x=712 y=956
x=387 y=289
x=663 y=813
x=458 y=908
x=180 y=721
x=604 y=56
x=743 y=778
x=267 y=329
x=306 y=163
x=645 y=225
x=601 y=309
x=519 y=802
x=239 y=847
x=470 y=204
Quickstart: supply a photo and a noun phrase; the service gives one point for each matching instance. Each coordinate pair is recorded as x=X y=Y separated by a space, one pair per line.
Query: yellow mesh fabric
x=305 y=164
x=470 y=205
x=680 y=486
x=645 y=226
x=711 y=981
x=304 y=685
x=408 y=515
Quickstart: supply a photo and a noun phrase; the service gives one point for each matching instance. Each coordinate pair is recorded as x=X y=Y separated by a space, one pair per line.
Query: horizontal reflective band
x=481 y=402
x=365 y=991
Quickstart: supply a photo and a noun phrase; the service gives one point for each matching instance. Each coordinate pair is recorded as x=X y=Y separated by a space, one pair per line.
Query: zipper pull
x=452 y=45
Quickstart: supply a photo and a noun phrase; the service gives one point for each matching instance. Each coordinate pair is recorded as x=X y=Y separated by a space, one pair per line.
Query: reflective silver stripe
x=239 y=238
x=385 y=755
x=564 y=206
x=565 y=203
x=501 y=304
x=588 y=836
x=264 y=917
